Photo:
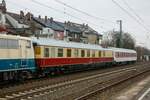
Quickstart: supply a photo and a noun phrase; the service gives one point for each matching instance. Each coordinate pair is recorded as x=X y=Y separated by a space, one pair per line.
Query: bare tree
x=112 y=40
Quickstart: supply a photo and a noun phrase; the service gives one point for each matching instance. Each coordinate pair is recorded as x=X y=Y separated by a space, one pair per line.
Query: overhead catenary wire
x=83 y=12
x=134 y=12
x=133 y=17
x=20 y=6
x=60 y=11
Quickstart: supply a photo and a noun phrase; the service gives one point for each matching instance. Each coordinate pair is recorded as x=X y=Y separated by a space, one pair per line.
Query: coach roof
x=122 y=50
x=60 y=43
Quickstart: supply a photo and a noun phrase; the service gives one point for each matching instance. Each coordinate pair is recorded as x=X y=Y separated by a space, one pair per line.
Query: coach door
x=23 y=51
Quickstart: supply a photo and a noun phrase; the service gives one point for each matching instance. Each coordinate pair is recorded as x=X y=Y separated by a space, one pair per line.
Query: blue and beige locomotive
x=16 y=57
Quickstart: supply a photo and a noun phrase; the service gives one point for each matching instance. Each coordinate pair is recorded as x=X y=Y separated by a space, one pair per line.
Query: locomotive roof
x=122 y=50
x=14 y=37
x=60 y=43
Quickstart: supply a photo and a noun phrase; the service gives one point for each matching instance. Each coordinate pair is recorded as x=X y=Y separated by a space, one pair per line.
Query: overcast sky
x=104 y=9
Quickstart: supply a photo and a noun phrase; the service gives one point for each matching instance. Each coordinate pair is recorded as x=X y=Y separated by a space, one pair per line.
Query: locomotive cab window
x=68 y=52
x=28 y=44
x=60 y=52
x=3 y=43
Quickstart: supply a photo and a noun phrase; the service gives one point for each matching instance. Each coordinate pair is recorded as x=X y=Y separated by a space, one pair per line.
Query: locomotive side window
x=60 y=52
x=9 y=44
x=3 y=43
x=46 y=52
x=68 y=52
x=13 y=44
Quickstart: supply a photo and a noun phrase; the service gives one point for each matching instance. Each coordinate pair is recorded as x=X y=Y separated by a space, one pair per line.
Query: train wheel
x=24 y=75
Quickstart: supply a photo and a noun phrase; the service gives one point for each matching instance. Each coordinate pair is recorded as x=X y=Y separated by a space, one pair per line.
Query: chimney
x=3 y=6
x=86 y=26
x=28 y=16
x=39 y=16
x=68 y=23
x=46 y=18
x=51 y=19
x=21 y=14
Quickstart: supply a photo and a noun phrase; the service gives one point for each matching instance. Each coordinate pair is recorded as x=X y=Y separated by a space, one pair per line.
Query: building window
x=46 y=52
x=60 y=52
x=76 y=52
x=68 y=52
x=88 y=53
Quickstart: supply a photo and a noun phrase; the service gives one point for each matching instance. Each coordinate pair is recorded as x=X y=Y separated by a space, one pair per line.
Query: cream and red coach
x=56 y=54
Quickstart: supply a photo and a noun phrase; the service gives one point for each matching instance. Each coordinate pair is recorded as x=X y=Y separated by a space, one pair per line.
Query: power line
x=83 y=12
x=133 y=17
x=138 y=16
x=20 y=6
x=60 y=11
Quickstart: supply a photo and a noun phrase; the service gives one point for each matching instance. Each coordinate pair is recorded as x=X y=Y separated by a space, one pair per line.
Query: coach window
x=46 y=52
x=53 y=52
x=82 y=53
x=68 y=52
x=93 y=53
x=60 y=52
x=76 y=52
x=99 y=53
x=88 y=53
x=37 y=50
x=104 y=54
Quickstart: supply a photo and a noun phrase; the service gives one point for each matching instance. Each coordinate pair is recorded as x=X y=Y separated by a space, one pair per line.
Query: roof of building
x=55 y=25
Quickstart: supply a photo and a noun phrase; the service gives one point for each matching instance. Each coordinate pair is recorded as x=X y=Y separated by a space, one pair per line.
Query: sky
x=105 y=12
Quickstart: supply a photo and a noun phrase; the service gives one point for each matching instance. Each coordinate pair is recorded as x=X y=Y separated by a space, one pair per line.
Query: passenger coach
x=59 y=55
x=124 y=55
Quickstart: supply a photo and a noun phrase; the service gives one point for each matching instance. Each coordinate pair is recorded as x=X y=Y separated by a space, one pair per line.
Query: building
x=88 y=35
x=29 y=25
x=50 y=28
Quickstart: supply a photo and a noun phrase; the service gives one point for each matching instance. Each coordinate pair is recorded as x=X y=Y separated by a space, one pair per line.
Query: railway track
x=74 y=88
x=31 y=84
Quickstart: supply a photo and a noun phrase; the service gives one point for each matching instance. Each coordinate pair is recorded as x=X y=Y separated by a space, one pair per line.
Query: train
x=28 y=57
